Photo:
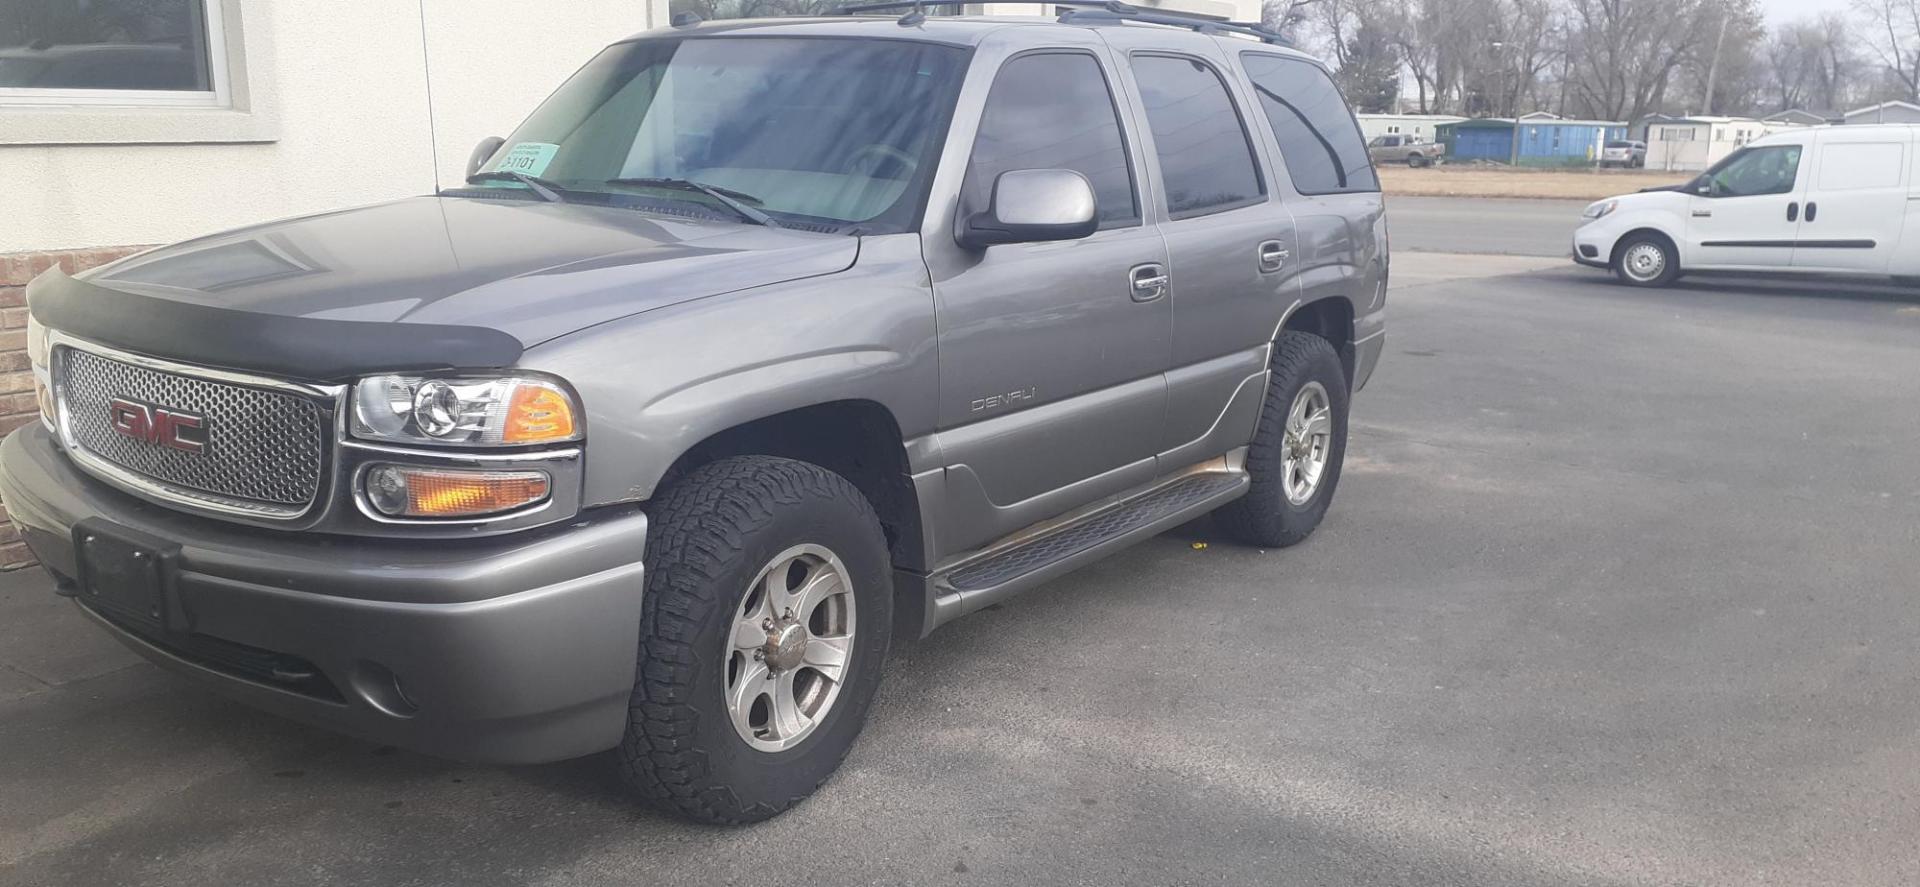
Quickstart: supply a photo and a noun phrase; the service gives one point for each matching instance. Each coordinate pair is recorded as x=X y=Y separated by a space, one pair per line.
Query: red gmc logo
x=159 y=425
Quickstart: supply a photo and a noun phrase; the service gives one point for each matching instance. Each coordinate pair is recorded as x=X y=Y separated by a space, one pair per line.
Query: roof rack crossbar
x=1097 y=10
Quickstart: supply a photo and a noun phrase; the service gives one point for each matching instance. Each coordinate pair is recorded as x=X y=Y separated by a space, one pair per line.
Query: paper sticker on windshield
x=528 y=157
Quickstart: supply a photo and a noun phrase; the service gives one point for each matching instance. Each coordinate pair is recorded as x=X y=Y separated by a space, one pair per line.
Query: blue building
x=1544 y=140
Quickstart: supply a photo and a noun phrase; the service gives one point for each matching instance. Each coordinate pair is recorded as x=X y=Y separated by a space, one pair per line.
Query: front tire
x=1297 y=449
x=764 y=626
x=1646 y=259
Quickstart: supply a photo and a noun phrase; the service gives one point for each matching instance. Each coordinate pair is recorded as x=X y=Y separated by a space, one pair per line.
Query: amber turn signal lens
x=403 y=491
x=538 y=413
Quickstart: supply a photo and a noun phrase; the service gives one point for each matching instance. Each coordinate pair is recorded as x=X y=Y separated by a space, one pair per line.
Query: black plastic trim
x=271 y=344
x=1835 y=244
x=1795 y=244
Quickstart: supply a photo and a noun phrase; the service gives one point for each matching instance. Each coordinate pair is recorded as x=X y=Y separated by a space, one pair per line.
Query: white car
x=1825 y=200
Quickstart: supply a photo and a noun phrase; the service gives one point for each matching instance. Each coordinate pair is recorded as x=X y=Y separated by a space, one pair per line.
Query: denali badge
x=159 y=425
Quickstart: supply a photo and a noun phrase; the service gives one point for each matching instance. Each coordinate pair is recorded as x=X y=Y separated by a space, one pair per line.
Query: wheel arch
x=1330 y=318
x=1620 y=243
x=857 y=439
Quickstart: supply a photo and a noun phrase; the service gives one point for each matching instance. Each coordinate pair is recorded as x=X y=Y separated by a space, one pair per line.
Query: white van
x=1824 y=200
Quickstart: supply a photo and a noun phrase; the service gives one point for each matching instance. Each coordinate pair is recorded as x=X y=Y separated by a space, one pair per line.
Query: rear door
x=1229 y=244
x=1856 y=199
x=1745 y=211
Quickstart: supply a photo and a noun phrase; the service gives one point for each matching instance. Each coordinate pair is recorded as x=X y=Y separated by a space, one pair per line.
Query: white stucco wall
x=340 y=97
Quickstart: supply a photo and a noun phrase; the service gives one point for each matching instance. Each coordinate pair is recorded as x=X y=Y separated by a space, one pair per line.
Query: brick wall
x=17 y=406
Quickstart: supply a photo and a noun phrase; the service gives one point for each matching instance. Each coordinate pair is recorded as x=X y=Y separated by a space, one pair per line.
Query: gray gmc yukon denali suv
x=758 y=346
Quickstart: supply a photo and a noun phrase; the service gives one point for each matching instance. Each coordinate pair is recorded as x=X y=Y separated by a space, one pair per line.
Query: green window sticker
x=530 y=158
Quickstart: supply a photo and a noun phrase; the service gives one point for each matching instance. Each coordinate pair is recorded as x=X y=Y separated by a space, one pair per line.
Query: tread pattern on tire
x=696 y=529
x=1244 y=517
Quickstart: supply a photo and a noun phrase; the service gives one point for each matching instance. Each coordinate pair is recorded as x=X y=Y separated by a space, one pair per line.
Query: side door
x=1856 y=199
x=1052 y=355
x=1744 y=212
x=1332 y=194
x=1229 y=244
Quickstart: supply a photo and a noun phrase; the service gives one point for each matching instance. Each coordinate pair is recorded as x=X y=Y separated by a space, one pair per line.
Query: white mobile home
x=1423 y=127
x=1688 y=144
x=1885 y=112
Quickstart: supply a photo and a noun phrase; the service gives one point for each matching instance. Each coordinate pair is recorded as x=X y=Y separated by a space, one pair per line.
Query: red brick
x=16 y=382
x=15 y=556
x=13 y=296
x=13 y=340
x=9 y=533
x=13 y=269
x=13 y=318
x=15 y=404
x=14 y=361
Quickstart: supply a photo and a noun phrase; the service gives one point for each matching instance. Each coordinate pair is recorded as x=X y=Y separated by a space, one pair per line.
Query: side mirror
x=482 y=153
x=1033 y=206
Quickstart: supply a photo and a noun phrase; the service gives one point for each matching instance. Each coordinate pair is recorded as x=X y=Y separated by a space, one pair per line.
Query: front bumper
x=509 y=649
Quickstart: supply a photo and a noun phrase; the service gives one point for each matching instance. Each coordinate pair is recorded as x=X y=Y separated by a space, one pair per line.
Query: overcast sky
x=1779 y=11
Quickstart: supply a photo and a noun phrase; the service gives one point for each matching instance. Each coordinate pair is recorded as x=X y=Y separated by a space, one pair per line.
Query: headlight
x=505 y=411
x=1599 y=209
x=37 y=359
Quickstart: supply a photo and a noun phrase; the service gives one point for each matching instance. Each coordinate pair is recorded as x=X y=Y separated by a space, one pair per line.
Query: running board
x=1001 y=574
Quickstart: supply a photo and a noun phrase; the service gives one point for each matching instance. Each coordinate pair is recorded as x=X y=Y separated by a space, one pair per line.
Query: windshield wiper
x=548 y=191
x=727 y=197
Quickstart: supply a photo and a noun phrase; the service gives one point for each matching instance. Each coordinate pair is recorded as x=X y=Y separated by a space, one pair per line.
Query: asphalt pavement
x=1483 y=226
x=1619 y=589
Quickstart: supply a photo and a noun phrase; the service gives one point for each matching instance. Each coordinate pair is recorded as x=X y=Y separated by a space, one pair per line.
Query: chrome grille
x=266 y=450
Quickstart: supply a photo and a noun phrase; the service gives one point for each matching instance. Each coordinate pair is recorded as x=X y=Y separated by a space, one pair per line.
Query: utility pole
x=1713 y=66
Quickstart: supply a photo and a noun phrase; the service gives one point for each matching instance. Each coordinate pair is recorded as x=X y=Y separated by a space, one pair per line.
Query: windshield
x=823 y=134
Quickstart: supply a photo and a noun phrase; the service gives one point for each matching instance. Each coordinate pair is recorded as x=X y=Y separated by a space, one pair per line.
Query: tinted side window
x=1205 y=158
x=1311 y=122
x=1754 y=172
x=1053 y=111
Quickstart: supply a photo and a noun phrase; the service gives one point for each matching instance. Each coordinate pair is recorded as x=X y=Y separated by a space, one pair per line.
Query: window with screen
x=110 y=50
x=1317 y=136
x=1206 y=161
x=1053 y=111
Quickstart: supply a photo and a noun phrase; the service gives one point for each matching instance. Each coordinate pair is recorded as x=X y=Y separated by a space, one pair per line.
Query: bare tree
x=1893 y=31
x=1625 y=53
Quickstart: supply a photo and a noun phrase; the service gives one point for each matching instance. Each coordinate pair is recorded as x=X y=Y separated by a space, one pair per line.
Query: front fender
x=1605 y=233
x=657 y=384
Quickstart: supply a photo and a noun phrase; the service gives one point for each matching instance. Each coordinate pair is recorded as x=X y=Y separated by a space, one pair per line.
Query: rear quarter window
x=1316 y=131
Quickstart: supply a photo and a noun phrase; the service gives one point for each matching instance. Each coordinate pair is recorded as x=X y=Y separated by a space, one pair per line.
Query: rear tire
x=1645 y=259
x=1274 y=514
x=1416 y=161
x=727 y=546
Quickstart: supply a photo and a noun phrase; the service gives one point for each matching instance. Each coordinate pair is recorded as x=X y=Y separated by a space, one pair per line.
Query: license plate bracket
x=128 y=574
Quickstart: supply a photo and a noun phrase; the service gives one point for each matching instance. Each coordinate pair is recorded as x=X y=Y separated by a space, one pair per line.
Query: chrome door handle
x=1273 y=255
x=1149 y=281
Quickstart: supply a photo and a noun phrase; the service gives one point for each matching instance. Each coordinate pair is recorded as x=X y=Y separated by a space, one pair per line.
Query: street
x=1618 y=589
x=1483 y=225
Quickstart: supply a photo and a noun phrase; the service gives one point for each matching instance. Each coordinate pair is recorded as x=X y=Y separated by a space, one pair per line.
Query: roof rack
x=1087 y=11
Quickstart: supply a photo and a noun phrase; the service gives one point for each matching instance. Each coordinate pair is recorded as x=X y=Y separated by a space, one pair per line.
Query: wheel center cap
x=786 y=645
